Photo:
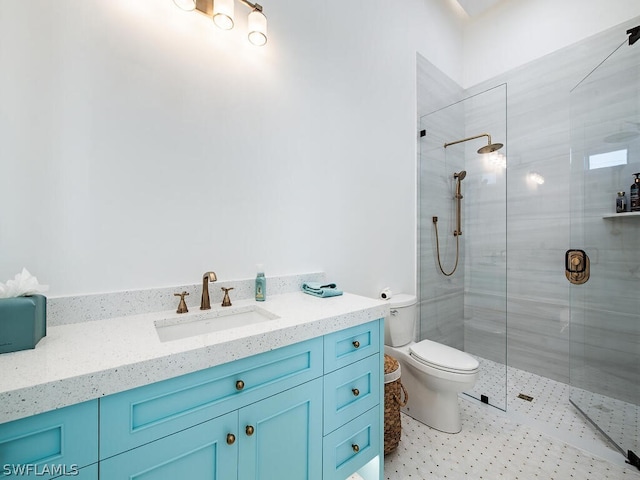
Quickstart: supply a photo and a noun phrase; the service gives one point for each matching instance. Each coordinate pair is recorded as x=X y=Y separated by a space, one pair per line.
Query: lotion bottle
x=634 y=195
x=261 y=285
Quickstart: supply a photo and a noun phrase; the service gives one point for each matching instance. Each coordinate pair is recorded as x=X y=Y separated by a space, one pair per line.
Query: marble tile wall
x=441 y=311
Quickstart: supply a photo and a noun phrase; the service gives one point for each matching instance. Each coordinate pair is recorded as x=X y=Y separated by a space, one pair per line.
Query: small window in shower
x=608 y=159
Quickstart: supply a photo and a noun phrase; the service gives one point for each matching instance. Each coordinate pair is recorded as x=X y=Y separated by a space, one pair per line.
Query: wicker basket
x=395 y=396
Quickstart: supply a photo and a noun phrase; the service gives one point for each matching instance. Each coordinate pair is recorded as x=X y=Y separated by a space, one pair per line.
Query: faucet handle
x=182 y=307
x=226 y=301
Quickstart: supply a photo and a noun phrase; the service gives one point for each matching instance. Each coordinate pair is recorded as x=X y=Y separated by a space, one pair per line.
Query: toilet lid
x=402 y=300
x=443 y=357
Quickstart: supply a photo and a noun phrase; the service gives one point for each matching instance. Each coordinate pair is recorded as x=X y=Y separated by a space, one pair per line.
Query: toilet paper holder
x=385 y=294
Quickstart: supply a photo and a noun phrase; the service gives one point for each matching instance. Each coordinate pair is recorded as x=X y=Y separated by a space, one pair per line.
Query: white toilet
x=432 y=373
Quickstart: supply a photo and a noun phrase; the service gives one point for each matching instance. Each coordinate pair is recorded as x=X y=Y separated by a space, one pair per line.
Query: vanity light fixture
x=222 y=12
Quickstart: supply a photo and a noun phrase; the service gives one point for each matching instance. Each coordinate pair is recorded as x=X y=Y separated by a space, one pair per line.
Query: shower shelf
x=621 y=215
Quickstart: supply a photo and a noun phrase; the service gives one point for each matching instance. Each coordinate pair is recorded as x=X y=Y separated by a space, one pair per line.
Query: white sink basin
x=201 y=323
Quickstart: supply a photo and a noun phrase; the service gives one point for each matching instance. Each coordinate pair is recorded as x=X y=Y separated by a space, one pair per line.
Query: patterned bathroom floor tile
x=545 y=439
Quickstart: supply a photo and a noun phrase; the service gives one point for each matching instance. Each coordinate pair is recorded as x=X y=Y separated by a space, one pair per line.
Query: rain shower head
x=491 y=147
x=488 y=148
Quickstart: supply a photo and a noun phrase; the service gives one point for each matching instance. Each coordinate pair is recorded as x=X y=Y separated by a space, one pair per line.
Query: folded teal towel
x=321 y=289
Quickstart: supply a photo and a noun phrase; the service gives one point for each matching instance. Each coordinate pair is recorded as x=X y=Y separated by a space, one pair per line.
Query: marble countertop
x=87 y=360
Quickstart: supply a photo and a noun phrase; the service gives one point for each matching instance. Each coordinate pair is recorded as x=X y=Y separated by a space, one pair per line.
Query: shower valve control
x=577 y=266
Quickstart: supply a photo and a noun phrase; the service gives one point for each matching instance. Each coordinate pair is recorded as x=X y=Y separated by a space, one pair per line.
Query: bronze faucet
x=205 y=303
x=226 y=301
x=182 y=307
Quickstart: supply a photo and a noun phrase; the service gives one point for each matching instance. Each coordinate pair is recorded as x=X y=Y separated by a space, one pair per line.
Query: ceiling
x=476 y=7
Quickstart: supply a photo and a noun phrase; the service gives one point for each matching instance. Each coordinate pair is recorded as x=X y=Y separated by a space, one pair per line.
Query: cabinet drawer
x=350 y=345
x=352 y=446
x=200 y=452
x=51 y=443
x=135 y=417
x=351 y=391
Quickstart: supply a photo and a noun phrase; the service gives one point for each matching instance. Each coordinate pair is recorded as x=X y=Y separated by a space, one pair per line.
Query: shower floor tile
x=546 y=438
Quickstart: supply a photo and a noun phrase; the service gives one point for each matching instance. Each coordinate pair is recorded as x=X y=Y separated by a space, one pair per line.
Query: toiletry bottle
x=261 y=285
x=634 y=195
x=621 y=203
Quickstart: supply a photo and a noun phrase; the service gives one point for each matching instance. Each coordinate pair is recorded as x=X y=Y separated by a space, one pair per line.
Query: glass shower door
x=462 y=286
x=605 y=306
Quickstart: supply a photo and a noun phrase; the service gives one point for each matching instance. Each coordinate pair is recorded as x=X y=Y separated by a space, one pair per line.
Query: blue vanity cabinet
x=50 y=444
x=307 y=411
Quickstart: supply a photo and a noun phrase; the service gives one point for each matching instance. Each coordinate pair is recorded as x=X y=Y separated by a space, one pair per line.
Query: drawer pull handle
x=231 y=439
x=356 y=344
x=249 y=430
x=355 y=391
x=355 y=447
x=239 y=385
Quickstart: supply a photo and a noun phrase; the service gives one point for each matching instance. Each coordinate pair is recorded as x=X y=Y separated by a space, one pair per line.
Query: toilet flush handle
x=394 y=312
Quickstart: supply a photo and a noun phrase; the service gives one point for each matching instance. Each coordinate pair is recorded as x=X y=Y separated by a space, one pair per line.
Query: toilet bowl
x=432 y=373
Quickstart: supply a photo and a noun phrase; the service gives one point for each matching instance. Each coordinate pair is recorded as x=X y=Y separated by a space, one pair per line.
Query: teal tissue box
x=23 y=322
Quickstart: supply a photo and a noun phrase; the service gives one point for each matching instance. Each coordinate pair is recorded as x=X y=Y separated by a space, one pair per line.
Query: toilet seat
x=443 y=357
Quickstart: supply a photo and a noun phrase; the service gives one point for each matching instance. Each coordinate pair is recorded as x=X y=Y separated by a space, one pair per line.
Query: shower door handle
x=577 y=266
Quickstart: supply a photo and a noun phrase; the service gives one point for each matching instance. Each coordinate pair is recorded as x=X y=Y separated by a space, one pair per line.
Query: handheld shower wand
x=458 y=176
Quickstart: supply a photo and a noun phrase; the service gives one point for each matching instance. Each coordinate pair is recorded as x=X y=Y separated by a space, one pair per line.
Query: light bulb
x=257 y=25
x=223 y=13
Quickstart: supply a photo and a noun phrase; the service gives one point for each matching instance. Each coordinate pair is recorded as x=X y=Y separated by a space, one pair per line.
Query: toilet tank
x=399 y=326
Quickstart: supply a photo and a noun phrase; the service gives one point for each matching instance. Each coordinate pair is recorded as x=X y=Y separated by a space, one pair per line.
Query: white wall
x=141 y=147
x=515 y=32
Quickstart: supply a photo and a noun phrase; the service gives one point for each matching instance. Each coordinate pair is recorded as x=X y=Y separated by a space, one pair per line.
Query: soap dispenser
x=261 y=285
x=634 y=195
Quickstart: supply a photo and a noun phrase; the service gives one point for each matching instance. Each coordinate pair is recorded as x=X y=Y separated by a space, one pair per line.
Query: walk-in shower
x=584 y=339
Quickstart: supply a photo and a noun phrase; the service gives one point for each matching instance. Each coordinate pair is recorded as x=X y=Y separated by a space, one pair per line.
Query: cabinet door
x=203 y=452
x=51 y=443
x=281 y=436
